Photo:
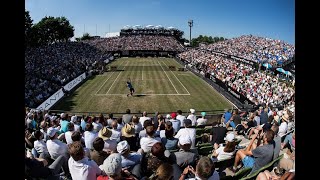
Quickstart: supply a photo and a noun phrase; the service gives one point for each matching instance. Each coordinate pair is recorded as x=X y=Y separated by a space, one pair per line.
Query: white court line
x=178 y=80
x=116 y=78
x=142 y=70
x=143 y=94
x=107 y=79
x=168 y=77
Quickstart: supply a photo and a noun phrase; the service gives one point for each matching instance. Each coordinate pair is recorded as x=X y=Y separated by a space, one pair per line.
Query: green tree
x=86 y=36
x=27 y=27
x=51 y=29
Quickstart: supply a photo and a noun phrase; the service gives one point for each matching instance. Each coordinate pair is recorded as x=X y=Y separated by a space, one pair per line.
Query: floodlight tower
x=190 y=23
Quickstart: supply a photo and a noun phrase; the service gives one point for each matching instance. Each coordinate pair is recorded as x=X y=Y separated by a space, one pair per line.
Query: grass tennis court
x=156 y=89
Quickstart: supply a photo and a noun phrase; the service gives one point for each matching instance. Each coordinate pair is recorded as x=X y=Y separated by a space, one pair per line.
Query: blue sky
x=227 y=18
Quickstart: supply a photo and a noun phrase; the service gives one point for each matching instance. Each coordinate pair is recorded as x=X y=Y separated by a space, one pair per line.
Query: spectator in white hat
x=129 y=159
x=187 y=131
x=76 y=122
x=227 y=151
x=184 y=156
x=113 y=169
x=55 y=146
x=192 y=117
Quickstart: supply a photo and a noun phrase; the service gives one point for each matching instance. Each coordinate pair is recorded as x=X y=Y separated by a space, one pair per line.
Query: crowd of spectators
x=257 y=86
x=89 y=147
x=48 y=68
x=257 y=49
x=138 y=42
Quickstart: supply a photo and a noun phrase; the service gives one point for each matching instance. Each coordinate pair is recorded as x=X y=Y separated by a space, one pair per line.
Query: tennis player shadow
x=140 y=95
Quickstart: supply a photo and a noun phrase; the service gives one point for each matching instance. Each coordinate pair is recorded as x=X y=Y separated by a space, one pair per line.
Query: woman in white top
x=225 y=152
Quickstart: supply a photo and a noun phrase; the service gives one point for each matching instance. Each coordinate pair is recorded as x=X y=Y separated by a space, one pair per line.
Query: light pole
x=190 y=23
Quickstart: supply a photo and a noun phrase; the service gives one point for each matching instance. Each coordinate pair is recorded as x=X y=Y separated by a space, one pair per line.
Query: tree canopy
x=85 y=36
x=47 y=31
x=205 y=39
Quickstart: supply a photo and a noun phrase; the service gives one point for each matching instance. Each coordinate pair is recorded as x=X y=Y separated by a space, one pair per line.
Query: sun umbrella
x=281 y=70
x=267 y=65
x=288 y=73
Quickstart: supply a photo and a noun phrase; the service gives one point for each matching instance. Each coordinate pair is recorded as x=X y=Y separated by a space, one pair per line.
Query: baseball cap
x=203 y=113
x=51 y=131
x=184 y=140
x=230 y=137
x=192 y=111
x=122 y=146
x=62 y=115
x=112 y=165
x=173 y=115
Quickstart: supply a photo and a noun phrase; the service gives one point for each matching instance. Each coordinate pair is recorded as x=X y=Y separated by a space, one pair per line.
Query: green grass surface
x=156 y=89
